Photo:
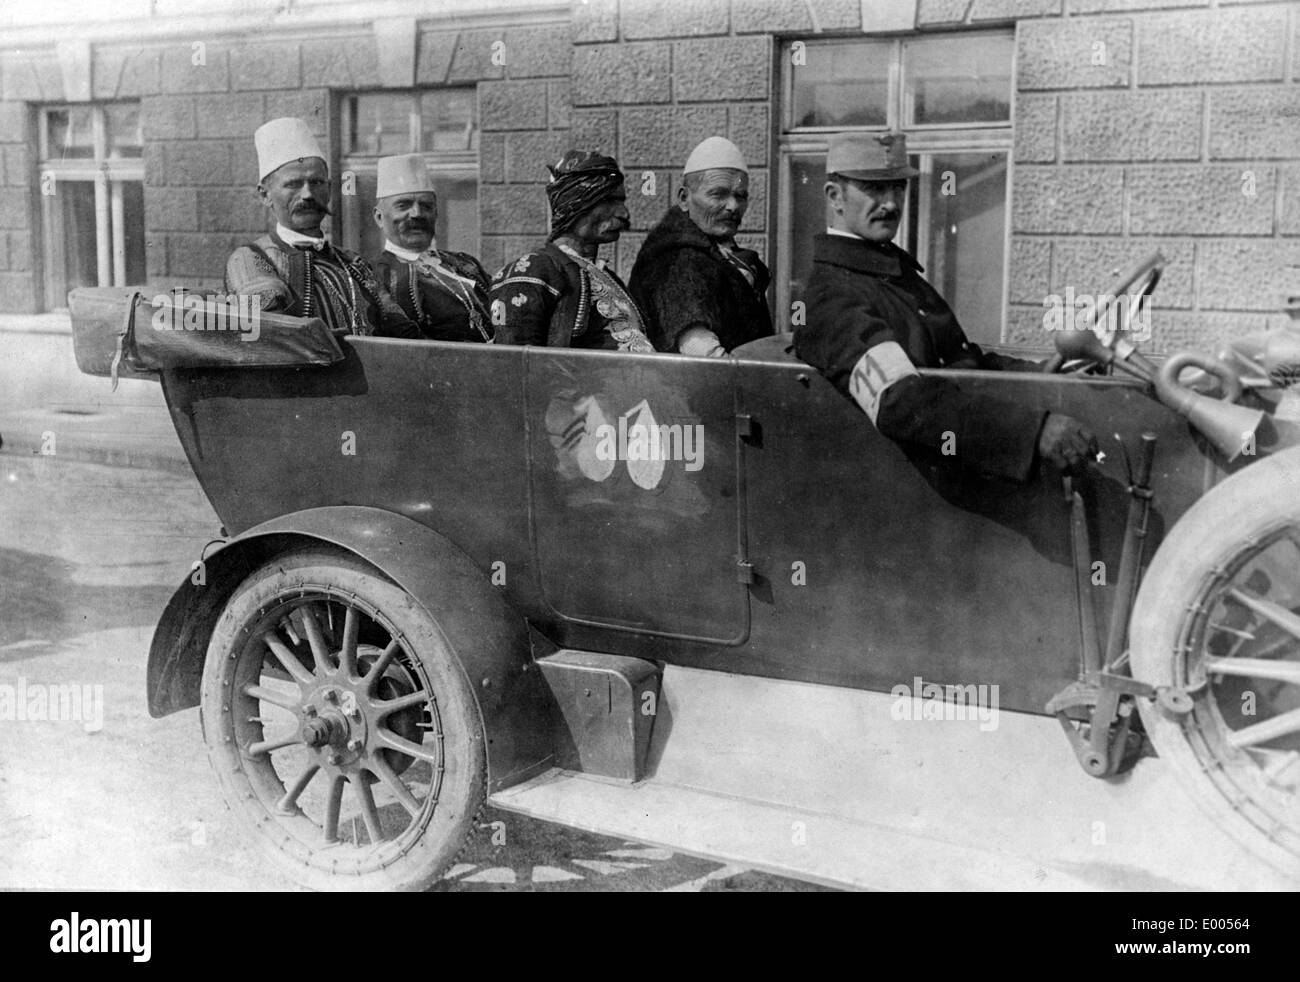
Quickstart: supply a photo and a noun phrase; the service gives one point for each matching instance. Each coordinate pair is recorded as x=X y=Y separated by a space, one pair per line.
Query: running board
x=818 y=848
x=841 y=787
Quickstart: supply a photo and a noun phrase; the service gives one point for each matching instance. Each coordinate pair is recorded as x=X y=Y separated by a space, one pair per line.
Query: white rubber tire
x=1226 y=782
x=434 y=838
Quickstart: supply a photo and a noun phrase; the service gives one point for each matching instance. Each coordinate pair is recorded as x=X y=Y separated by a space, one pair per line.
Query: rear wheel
x=341 y=727
x=1218 y=617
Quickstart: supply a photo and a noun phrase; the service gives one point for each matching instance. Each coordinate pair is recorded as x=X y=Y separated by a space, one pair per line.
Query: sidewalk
x=48 y=407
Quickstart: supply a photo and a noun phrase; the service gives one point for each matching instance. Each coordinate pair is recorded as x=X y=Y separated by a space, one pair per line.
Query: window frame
x=108 y=174
x=442 y=164
x=923 y=141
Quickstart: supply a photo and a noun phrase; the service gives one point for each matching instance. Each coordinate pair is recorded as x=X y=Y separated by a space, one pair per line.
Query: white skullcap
x=716 y=151
x=282 y=140
x=404 y=174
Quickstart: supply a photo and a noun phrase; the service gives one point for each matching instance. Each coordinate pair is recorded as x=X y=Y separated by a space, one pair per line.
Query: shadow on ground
x=40 y=601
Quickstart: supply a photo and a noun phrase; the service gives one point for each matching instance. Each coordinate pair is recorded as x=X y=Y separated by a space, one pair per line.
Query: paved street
x=89 y=555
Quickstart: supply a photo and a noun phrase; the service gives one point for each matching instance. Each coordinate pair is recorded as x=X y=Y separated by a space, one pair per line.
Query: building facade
x=1057 y=139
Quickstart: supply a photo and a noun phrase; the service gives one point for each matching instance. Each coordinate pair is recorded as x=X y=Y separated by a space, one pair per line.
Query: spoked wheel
x=341 y=727
x=1218 y=617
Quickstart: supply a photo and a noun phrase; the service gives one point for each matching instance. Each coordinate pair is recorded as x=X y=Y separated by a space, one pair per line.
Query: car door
x=634 y=503
x=887 y=564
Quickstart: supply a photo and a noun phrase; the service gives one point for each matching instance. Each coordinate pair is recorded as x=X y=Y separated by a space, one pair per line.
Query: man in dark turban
x=561 y=294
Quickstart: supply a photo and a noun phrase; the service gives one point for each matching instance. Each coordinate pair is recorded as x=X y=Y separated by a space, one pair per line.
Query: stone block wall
x=524 y=111
x=1137 y=127
x=21 y=79
x=17 y=211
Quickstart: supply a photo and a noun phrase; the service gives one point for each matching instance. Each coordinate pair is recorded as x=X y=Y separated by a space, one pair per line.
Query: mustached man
x=294 y=269
x=873 y=320
x=444 y=292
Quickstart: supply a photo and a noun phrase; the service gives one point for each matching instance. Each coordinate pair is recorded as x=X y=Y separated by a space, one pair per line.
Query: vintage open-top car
x=703 y=603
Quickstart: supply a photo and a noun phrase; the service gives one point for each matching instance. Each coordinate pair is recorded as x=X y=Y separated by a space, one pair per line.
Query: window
x=92 y=197
x=951 y=95
x=440 y=123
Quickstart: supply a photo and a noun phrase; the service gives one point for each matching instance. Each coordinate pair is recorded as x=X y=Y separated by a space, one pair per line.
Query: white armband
x=882 y=366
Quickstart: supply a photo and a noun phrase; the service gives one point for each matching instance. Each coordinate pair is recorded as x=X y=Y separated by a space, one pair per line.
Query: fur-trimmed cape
x=680 y=280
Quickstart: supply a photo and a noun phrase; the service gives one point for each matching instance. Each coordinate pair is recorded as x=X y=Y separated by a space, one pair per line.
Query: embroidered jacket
x=549 y=298
x=331 y=283
x=444 y=308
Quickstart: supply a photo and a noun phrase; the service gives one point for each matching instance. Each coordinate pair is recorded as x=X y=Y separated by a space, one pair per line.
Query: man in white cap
x=444 y=292
x=702 y=293
x=295 y=269
x=872 y=319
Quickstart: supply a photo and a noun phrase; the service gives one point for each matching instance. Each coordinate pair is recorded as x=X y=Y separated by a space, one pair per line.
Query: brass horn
x=1224 y=424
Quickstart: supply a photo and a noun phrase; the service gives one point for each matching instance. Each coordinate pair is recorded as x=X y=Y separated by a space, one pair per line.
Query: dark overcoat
x=860 y=295
x=680 y=280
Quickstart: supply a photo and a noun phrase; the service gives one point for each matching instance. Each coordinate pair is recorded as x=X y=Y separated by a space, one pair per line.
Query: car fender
x=489 y=638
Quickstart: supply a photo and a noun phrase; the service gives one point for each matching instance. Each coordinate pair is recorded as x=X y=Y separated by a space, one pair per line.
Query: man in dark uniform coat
x=702 y=293
x=561 y=294
x=295 y=269
x=443 y=292
x=871 y=319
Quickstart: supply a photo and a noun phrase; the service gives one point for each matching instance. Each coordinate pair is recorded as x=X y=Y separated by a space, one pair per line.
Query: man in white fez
x=702 y=293
x=295 y=269
x=562 y=294
x=443 y=292
x=872 y=320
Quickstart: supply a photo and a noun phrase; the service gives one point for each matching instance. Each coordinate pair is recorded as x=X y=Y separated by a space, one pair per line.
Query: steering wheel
x=1099 y=339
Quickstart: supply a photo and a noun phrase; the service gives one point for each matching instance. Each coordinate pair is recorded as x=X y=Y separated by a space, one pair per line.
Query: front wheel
x=341 y=727
x=1216 y=629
